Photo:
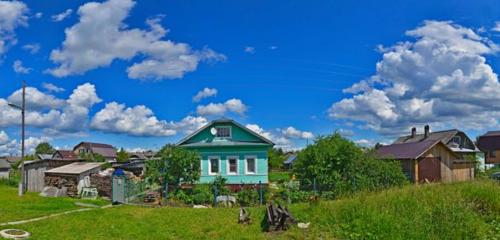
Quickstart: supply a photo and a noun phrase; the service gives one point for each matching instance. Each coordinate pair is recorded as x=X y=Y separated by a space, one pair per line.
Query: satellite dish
x=213 y=131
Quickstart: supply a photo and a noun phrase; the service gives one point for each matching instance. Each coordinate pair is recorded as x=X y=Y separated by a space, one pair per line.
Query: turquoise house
x=230 y=150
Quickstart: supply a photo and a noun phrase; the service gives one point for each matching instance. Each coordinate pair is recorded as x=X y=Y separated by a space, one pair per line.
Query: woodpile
x=70 y=183
x=102 y=183
x=278 y=218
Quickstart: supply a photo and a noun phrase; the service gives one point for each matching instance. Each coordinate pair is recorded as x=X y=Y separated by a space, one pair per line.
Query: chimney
x=426 y=131
x=413 y=132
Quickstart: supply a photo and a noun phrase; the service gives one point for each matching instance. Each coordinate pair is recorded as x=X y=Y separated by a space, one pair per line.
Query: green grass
x=276 y=176
x=13 y=207
x=468 y=210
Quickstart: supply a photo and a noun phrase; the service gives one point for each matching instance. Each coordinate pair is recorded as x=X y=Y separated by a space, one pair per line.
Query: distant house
x=64 y=155
x=106 y=150
x=429 y=157
x=489 y=143
x=290 y=159
x=4 y=168
x=44 y=156
x=455 y=139
x=230 y=150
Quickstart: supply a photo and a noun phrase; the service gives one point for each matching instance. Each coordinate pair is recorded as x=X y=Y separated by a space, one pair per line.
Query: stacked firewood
x=278 y=218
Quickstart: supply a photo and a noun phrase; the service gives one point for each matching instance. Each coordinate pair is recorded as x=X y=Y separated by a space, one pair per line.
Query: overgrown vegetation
x=44 y=148
x=340 y=166
x=468 y=210
x=122 y=156
x=175 y=166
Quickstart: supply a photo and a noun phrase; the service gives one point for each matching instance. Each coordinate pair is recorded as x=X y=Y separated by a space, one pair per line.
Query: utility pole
x=22 y=184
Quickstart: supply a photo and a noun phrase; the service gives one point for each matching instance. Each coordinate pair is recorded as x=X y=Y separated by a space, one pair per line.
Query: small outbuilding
x=71 y=176
x=4 y=168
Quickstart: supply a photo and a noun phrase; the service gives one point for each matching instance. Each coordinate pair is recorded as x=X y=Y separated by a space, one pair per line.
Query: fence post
x=215 y=195
x=314 y=186
x=260 y=192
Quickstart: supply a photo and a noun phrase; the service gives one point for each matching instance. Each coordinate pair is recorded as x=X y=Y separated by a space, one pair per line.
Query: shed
x=4 y=168
x=71 y=175
x=288 y=163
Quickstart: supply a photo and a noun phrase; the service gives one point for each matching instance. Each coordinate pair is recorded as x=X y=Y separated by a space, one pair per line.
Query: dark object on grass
x=244 y=216
x=277 y=218
x=495 y=176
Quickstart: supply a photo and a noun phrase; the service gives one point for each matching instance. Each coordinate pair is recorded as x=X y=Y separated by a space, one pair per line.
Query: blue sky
x=285 y=65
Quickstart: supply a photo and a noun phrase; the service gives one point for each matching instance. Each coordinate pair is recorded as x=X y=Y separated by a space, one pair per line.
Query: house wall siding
x=447 y=158
x=493 y=160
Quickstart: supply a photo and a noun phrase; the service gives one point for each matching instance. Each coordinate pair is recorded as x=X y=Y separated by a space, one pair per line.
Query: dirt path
x=52 y=215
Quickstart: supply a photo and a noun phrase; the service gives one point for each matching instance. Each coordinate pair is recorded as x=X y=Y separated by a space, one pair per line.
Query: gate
x=130 y=191
x=429 y=168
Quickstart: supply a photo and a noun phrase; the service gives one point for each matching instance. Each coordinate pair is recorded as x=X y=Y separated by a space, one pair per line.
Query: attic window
x=223 y=132
x=456 y=139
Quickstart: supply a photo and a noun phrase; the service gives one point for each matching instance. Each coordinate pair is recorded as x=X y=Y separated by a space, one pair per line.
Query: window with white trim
x=223 y=132
x=213 y=167
x=232 y=163
x=251 y=165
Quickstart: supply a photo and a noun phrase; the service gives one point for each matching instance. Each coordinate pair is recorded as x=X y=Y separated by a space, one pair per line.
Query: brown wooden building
x=489 y=143
x=429 y=159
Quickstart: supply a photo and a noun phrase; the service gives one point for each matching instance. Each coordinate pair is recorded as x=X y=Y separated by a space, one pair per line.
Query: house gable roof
x=411 y=150
x=105 y=150
x=444 y=136
x=64 y=154
x=241 y=136
x=489 y=141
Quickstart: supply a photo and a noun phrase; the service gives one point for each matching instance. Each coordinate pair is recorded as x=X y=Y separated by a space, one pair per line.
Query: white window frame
x=237 y=165
x=230 y=131
x=201 y=166
x=255 y=164
x=210 y=165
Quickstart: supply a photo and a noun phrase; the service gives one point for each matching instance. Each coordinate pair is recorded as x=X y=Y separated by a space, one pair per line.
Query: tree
x=122 y=156
x=44 y=148
x=339 y=164
x=92 y=157
x=178 y=165
x=276 y=157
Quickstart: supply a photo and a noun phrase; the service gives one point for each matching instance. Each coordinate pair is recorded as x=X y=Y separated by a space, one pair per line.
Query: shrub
x=219 y=184
x=248 y=196
x=202 y=194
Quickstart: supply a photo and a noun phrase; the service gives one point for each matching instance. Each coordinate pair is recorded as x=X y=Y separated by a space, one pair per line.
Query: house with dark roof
x=64 y=155
x=489 y=143
x=106 y=150
x=230 y=150
x=432 y=157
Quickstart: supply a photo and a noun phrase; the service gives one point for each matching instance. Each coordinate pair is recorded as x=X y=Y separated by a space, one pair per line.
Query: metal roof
x=290 y=159
x=76 y=168
x=411 y=150
x=223 y=120
x=489 y=142
x=4 y=163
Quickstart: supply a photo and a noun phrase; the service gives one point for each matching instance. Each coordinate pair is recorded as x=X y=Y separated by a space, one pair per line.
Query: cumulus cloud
x=19 y=68
x=249 y=49
x=140 y=121
x=218 y=109
x=52 y=88
x=496 y=28
x=441 y=78
x=101 y=36
x=292 y=132
x=205 y=93
x=61 y=16
x=12 y=15
x=50 y=113
x=12 y=147
x=32 y=48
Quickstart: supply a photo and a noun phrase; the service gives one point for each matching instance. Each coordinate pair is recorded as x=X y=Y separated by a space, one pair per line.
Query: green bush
x=202 y=194
x=248 y=196
x=184 y=196
x=219 y=183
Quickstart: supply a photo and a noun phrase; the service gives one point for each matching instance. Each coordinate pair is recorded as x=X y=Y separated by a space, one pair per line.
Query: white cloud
x=36 y=100
x=101 y=36
x=50 y=113
x=189 y=124
x=52 y=88
x=364 y=142
x=273 y=47
x=12 y=15
x=279 y=138
x=19 y=68
x=13 y=147
x=32 y=48
x=38 y=15
x=218 y=109
x=292 y=132
x=249 y=49
x=205 y=93
x=61 y=16
x=4 y=138
x=441 y=78
x=496 y=28
x=136 y=121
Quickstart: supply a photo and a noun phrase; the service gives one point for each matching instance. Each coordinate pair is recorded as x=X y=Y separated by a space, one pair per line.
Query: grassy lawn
x=13 y=207
x=468 y=210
